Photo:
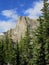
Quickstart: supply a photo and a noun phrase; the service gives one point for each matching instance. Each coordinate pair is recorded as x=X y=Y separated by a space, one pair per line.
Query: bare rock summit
x=20 y=29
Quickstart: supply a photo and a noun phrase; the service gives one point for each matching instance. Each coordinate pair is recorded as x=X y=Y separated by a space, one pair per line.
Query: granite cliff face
x=20 y=29
x=21 y=26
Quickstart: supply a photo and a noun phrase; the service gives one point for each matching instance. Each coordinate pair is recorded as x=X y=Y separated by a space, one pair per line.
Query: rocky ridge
x=20 y=29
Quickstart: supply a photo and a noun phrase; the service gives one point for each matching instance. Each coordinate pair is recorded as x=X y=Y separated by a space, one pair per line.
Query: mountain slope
x=21 y=27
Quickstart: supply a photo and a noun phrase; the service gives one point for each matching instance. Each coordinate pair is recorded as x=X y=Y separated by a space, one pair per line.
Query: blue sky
x=11 y=9
x=18 y=5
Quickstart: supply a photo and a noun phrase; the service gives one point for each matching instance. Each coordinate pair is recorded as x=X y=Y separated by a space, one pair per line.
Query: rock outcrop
x=21 y=26
x=20 y=29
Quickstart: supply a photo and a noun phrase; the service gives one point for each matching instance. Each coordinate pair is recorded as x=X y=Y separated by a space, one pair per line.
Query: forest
x=28 y=51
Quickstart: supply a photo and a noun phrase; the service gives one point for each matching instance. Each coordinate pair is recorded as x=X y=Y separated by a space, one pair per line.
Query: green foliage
x=26 y=49
x=41 y=55
x=2 y=53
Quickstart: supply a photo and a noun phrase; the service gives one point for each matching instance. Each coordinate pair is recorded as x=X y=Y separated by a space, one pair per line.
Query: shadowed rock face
x=19 y=30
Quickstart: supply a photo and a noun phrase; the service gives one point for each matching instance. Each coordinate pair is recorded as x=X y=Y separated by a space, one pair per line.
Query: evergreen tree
x=27 y=47
x=17 y=54
x=41 y=43
x=2 y=53
x=16 y=58
x=9 y=51
x=46 y=27
x=42 y=53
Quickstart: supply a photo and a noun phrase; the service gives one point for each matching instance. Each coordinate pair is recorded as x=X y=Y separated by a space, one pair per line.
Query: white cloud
x=6 y=25
x=10 y=13
x=10 y=22
x=1 y=34
x=34 y=12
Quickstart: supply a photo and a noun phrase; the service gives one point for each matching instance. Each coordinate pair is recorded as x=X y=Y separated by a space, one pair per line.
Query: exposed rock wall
x=21 y=26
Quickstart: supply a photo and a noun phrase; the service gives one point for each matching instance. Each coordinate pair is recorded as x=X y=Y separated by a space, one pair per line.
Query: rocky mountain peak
x=21 y=26
x=20 y=29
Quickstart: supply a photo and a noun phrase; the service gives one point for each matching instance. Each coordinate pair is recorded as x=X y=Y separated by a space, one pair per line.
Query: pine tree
x=17 y=54
x=46 y=25
x=2 y=53
x=41 y=37
x=27 y=48
x=16 y=58
x=9 y=49
x=41 y=43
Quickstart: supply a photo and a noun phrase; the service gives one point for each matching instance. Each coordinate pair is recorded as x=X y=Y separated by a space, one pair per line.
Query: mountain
x=20 y=29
